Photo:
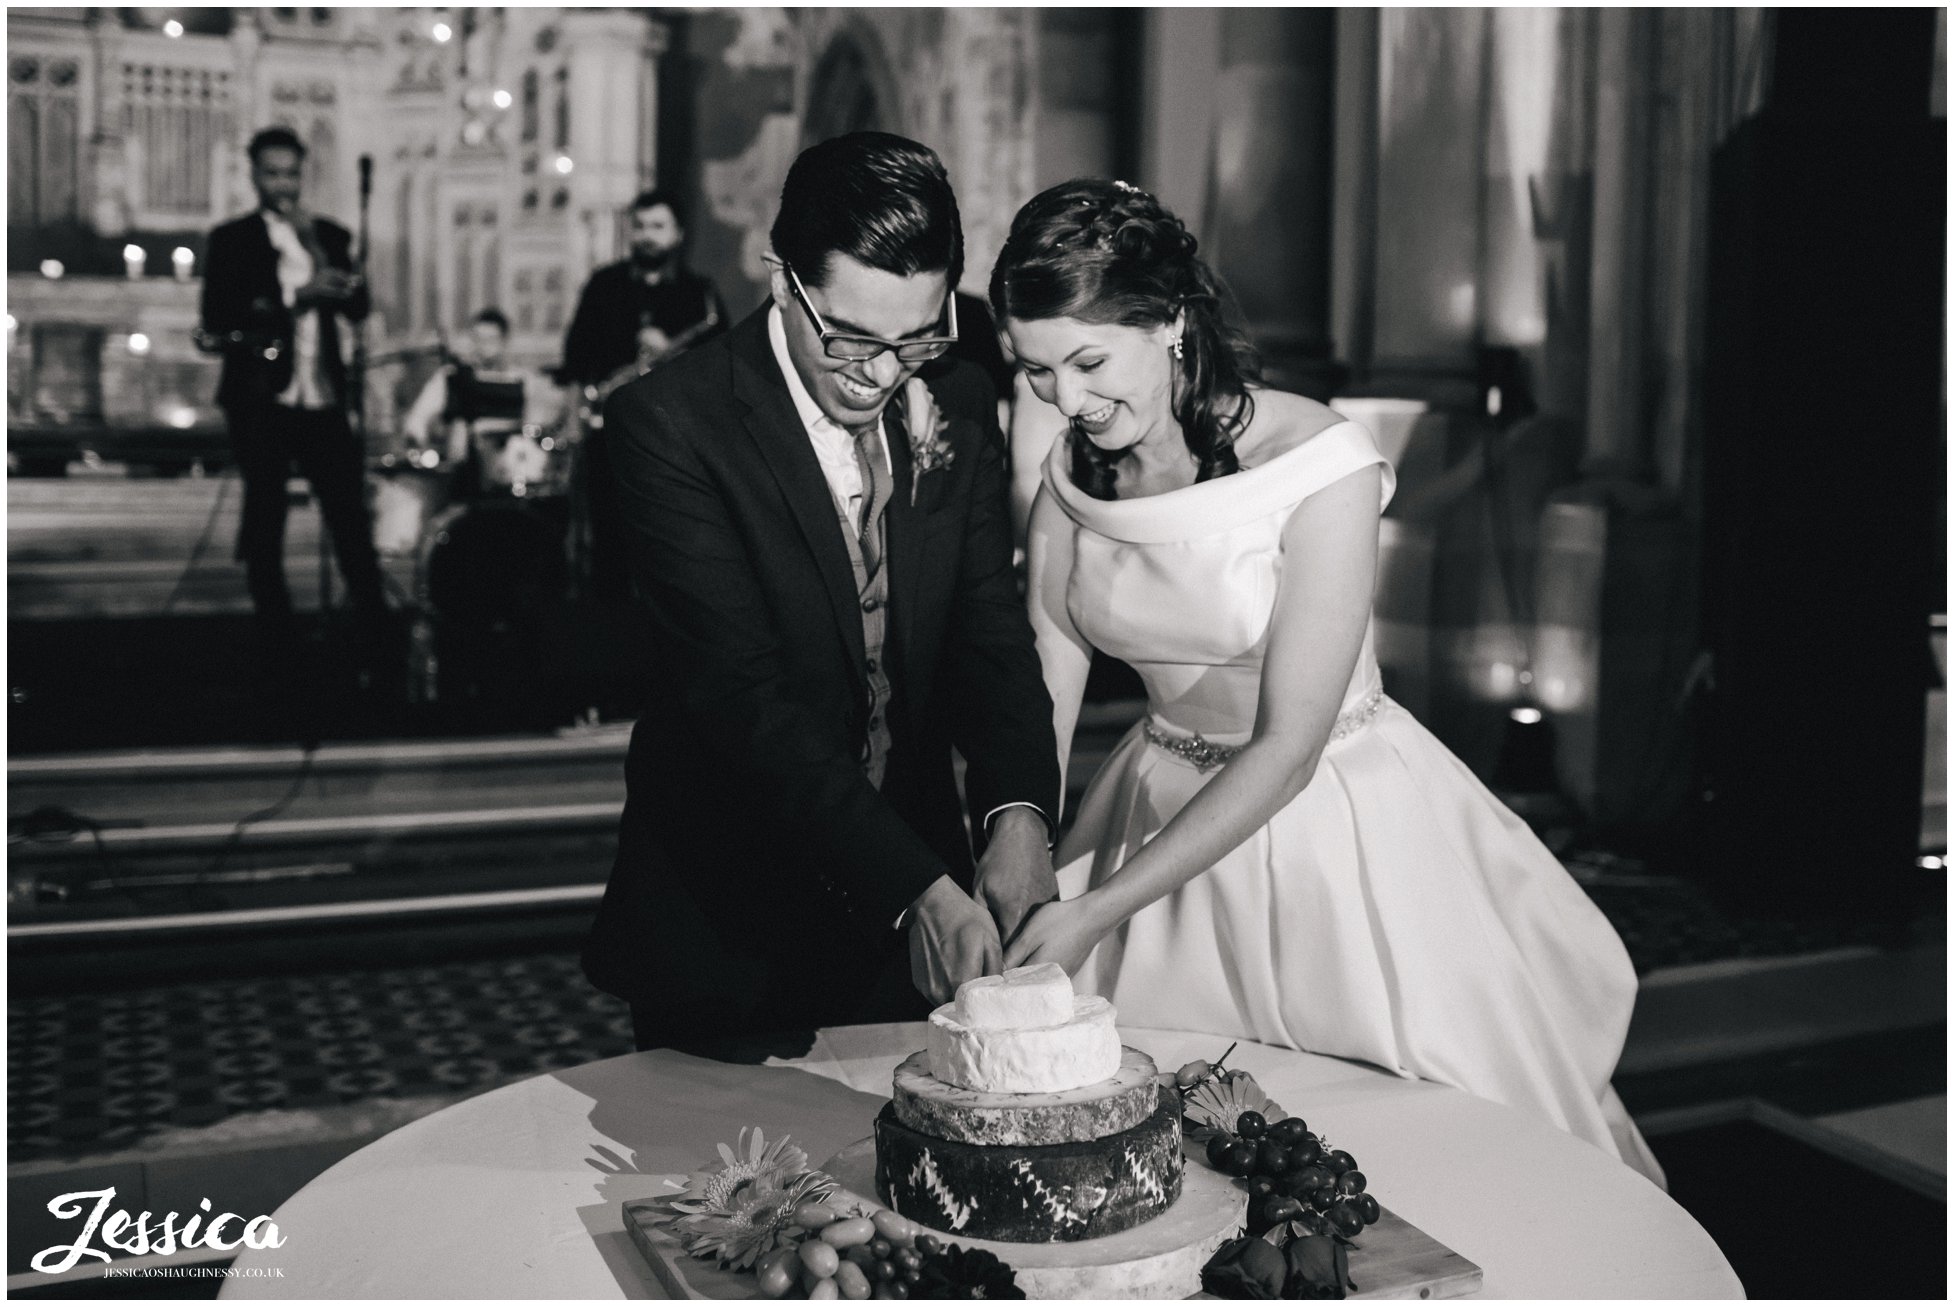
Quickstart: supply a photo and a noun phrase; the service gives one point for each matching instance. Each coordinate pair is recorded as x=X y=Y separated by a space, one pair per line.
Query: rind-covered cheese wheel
x=1021 y=999
x=929 y=1106
x=1038 y=1060
x=1043 y=1194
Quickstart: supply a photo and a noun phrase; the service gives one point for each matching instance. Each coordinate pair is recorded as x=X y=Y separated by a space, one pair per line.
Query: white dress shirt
x=835 y=448
x=309 y=388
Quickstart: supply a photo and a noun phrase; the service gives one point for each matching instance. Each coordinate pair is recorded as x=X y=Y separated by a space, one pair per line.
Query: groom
x=824 y=547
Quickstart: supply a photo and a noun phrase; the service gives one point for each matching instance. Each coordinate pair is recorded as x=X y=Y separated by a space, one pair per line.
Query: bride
x=1277 y=851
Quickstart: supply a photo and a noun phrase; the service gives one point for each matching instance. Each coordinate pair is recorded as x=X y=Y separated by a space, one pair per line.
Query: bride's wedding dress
x=1395 y=911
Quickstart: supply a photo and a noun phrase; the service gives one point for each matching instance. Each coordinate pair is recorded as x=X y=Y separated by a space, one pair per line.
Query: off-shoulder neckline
x=1223 y=503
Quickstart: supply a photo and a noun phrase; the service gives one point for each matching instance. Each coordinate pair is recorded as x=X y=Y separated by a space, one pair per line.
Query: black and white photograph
x=746 y=652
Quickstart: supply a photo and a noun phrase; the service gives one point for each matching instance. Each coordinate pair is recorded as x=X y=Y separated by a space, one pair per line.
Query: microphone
x=366 y=177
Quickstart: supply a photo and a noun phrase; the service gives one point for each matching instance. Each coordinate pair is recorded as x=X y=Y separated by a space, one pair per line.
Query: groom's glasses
x=858 y=349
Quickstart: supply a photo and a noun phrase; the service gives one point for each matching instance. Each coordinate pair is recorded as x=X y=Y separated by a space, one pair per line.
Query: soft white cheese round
x=1021 y=998
x=1082 y=1050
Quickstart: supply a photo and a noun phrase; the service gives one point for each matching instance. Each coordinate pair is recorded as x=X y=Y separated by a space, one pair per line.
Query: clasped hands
x=1013 y=919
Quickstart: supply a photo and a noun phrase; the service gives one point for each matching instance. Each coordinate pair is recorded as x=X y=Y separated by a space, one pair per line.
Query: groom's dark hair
x=882 y=200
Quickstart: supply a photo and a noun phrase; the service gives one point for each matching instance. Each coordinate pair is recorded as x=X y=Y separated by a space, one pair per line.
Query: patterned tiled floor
x=1668 y=923
x=97 y=1073
x=100 y=1073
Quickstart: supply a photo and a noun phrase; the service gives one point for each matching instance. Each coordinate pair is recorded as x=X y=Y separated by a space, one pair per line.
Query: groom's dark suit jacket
x=759 y=875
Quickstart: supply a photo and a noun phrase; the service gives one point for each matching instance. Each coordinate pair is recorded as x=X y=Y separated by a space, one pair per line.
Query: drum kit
x=500 y=532
x=491 y=535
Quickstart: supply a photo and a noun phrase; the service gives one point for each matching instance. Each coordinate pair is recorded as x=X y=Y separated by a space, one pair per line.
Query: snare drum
x=407 y=494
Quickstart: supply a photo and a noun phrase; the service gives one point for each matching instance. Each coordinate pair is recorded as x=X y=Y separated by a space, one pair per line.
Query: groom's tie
x=872 y=463
x=873 y=583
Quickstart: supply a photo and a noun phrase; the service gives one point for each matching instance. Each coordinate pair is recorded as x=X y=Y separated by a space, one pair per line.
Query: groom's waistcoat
x=872 y=587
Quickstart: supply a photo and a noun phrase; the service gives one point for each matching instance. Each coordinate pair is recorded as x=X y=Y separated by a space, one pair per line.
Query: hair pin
x=1128 y=187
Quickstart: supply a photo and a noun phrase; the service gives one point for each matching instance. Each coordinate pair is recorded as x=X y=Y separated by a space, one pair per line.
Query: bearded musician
x=632 y=315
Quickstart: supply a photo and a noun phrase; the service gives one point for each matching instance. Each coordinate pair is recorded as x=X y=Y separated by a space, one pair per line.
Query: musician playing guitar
x=632 y=315
x=276 y=283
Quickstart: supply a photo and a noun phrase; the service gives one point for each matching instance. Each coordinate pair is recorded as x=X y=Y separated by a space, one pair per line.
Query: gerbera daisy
x=751 y=1162
x=757 y=1224
x=1216 y=1104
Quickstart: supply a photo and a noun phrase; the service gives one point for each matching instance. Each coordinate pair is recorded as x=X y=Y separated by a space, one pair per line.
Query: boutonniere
x=928 y=450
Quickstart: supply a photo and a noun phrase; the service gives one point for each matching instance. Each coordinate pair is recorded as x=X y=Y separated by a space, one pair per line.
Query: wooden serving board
x=1161 y=1259
x=1395 y=1259
x=682 y=1276
x=1392 y=1259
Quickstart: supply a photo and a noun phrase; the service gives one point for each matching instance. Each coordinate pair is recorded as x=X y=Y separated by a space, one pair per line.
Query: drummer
x=478 y=400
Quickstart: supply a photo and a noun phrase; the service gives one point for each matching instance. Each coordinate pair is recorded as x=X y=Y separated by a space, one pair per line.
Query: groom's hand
x=1015 y=874
x=951 y=940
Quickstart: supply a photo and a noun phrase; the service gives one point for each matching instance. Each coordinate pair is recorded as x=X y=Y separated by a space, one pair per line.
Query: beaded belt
x=1205 y=755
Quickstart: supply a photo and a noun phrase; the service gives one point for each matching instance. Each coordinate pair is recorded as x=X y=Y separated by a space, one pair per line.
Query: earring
x=1179 y=353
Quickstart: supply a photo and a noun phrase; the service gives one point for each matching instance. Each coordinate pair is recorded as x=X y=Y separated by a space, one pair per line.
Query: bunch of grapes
x=856 y=1257
x=1293 y=1176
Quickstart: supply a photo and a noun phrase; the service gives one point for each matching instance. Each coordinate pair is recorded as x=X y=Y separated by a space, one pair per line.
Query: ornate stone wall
x=505 y=144
x=771 y=81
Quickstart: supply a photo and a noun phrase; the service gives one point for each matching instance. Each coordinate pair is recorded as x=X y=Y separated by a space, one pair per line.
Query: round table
x=518 y=1193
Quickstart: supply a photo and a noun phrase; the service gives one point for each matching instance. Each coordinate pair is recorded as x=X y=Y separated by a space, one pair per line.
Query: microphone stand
x=359 y=328
x=355 y=381
x=356 y=373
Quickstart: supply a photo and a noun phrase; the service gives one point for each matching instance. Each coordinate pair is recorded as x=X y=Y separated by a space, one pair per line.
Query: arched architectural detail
x=532 y=107
x=322 y=162
x=853 y=88
x=464 y=265
x=490 y=292
x=404 y=250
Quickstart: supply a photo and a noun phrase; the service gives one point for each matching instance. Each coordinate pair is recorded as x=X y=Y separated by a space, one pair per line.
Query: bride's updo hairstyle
x=1107 y=252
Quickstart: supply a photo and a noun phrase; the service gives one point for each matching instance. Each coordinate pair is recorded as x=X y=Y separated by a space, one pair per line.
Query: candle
x=132 y=260
x=183 y=261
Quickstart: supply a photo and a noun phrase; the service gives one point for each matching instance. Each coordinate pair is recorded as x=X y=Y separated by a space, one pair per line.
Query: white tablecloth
x=517 y=1193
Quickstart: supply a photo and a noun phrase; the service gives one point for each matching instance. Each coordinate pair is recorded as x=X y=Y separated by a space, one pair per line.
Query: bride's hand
x=1062 y=932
